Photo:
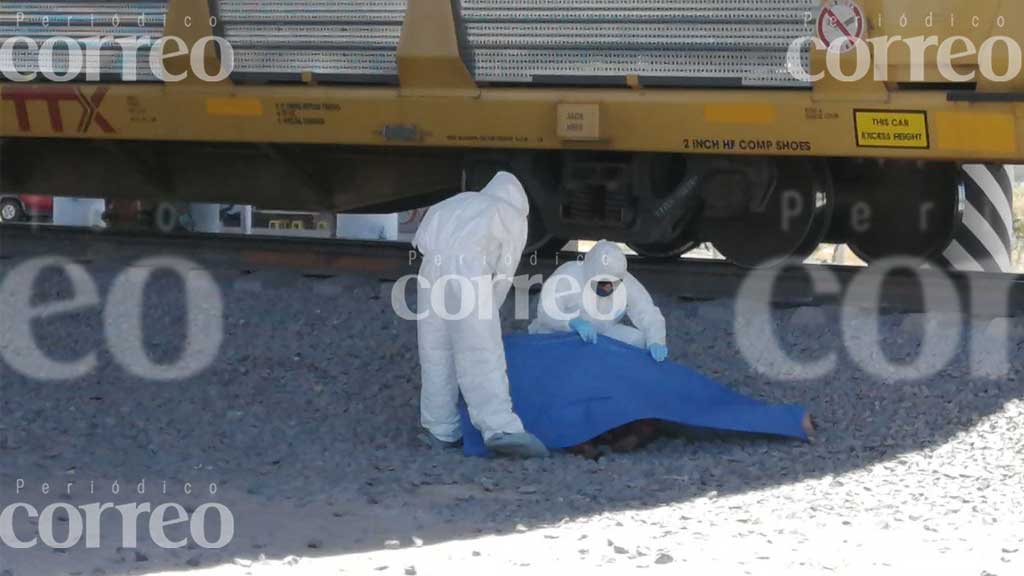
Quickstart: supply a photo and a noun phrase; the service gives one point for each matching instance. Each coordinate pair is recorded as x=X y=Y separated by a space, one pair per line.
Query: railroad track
x=388 y=261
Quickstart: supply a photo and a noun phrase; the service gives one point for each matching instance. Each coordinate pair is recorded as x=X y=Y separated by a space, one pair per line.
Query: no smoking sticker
x=841 y=24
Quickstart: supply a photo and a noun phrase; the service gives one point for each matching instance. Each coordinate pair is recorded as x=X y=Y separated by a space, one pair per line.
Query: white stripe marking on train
x=995 y=193
x=960 y=259
x=982 y=228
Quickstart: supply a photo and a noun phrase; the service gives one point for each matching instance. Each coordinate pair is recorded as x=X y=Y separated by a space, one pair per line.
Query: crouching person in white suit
x=594 y=296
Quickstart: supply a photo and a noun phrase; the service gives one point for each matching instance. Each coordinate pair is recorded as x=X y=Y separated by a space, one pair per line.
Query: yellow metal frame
x=437 y=104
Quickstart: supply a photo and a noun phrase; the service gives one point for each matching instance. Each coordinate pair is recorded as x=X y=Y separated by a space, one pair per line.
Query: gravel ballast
x=307 y=423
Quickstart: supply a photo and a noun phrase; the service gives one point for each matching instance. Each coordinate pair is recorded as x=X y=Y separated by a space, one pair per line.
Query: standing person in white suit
x=471 y=245
x=614 y=294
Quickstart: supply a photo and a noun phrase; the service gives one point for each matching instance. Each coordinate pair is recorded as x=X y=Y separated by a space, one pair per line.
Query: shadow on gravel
x=307 y=423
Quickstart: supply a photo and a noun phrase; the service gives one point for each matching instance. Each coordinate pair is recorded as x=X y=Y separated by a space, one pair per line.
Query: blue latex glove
x=658 y=351
x=585 y=329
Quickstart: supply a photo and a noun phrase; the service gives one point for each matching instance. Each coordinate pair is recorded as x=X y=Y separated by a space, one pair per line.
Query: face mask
x=606 y=288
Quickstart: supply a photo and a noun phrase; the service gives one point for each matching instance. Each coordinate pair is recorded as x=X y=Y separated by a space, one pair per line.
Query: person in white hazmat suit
x=471 y=245
x=593 y=297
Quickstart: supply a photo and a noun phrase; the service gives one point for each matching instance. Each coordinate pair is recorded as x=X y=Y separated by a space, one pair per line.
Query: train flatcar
x=763 y=126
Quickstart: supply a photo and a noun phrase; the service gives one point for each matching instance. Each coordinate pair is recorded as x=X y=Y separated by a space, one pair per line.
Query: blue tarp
x=568 y=392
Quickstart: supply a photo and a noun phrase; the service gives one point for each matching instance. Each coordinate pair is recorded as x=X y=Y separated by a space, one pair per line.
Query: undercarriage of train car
x=659 y=124
x=755 y=210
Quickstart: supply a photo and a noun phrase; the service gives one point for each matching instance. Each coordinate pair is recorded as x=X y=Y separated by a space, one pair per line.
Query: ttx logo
x=52 y=97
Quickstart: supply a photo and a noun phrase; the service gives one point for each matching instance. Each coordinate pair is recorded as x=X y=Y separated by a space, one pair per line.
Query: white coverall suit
x=562 y=300
x=466 y=241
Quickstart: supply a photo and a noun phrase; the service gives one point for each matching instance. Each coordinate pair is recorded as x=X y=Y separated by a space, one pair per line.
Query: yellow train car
x=763 y=126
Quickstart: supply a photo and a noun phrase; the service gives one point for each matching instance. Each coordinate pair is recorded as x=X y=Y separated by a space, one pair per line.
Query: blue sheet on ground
x=568 y=392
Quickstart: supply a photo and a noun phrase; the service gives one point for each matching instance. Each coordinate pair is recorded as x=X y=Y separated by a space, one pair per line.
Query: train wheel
x=536 y=181
x=538 y=238
x=899 y=209
x=958 y=217
x=789 y=225
x=545 y=249
x=667 y=251
x=983 y=242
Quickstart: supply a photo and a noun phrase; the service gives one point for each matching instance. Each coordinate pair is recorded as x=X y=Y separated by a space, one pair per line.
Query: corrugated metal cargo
x=675 y=42
x=335 y=40
x=81 y=21
x=662 y=42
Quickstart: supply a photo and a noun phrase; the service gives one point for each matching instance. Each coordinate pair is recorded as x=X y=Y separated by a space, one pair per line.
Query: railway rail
x=791 y=285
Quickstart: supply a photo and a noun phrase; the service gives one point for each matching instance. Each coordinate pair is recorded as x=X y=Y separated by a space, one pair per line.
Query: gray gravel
x=307 y=423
